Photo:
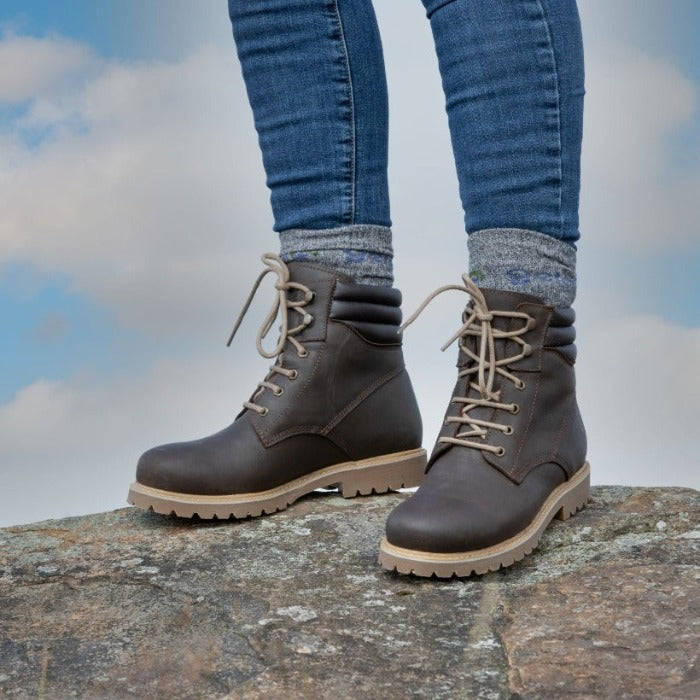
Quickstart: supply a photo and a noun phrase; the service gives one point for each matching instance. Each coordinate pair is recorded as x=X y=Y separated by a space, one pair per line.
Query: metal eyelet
x=303 y=353
x=515 y=409
x=265 y=411
x=508 y=430
x=501 y=452
x=293 y=374
x=521 y=385
x=278 y=392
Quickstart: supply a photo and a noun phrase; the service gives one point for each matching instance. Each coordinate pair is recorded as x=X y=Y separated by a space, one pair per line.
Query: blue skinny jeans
x=513 y=76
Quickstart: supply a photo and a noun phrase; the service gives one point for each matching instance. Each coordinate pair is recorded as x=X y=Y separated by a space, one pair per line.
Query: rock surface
x=131 y=604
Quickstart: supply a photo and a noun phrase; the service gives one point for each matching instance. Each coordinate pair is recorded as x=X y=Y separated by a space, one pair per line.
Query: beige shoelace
x=283 y=285
x=477 y=322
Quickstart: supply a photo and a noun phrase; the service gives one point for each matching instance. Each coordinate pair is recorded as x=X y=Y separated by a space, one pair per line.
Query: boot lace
x=484 y=366
x=283 y=303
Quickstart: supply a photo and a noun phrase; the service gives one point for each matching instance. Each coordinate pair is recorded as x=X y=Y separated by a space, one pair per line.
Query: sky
x=135 y=211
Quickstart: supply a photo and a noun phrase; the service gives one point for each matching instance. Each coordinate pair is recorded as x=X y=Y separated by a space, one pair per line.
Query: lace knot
x=280 y=306
x=483 y=365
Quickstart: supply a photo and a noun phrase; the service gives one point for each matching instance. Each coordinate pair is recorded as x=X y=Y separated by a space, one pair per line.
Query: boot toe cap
x=422 y=525
x=164 y=467
x=469 y=506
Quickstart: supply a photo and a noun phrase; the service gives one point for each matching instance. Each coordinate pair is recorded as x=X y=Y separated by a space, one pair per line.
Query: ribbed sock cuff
x=362 y=251
x=520 y=260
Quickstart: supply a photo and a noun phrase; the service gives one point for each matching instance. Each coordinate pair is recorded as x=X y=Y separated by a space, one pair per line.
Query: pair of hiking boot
x=337 y=409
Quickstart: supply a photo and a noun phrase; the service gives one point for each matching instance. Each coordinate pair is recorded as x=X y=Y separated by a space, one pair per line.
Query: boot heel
x=385 y=473
x=579 y=494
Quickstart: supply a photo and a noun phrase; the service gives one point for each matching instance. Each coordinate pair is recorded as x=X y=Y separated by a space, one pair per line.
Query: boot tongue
x=496 y=300
x=321 y=281
x=310 y=274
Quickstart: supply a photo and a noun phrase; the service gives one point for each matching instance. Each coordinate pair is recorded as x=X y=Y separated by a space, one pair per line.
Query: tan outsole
x=361 y=478
x=562 y=503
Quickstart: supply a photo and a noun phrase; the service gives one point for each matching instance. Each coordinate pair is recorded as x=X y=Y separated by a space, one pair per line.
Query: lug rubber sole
x=361 y=478
x=566 y=500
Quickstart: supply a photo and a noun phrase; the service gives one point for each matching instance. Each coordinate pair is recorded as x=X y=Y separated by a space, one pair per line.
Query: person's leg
x=511 y=452
x=513 y=76
x=314 y=73
x=337 y=406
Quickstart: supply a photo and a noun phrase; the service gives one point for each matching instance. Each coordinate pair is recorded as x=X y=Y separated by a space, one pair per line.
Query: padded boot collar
x=511 y=368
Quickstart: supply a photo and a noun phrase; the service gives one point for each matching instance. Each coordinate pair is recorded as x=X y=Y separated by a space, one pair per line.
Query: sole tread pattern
x=365 y=477
x=564 y=502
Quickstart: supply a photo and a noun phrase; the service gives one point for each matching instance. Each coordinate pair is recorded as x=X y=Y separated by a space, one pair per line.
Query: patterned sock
x=519 y=260
x=362 y=251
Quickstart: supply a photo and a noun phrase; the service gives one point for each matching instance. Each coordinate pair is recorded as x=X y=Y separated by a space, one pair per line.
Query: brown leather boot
x=511 y=453
x=336 y=408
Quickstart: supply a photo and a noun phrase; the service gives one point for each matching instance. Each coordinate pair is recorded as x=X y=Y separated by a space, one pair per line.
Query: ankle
x=361 y=251
x=519 y=260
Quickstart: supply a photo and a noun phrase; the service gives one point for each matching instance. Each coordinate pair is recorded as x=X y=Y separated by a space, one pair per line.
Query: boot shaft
x=543 y=384
x=349 y=372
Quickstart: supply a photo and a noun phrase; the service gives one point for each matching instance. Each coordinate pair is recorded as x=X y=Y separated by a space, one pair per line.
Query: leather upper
x=548 y=425
x=350 y=399
x=472 y=498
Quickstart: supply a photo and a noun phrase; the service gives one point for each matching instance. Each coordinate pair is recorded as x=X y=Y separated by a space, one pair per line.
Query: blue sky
x=49 y=332
x=128 y=30
x=121 y=29
x=88 y=317
x=86 y=337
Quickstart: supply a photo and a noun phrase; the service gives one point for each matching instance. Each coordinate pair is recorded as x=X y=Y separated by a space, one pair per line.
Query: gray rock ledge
x=132 y=604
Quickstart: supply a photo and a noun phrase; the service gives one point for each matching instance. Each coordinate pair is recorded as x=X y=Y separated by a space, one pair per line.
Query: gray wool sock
x=362 y=251
x=519 y=260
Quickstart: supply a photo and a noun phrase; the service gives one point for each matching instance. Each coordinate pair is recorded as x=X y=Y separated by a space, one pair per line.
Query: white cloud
x=30 y=67
x=71 y=447
x=639 y=390
x=148 y=194
x=631 y=194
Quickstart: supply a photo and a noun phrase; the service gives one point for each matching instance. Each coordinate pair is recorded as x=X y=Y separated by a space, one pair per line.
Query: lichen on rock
x=128 y=603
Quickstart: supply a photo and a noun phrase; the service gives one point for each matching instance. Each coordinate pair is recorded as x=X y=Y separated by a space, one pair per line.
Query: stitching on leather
x=554 y=455
x=350 y=88
x=557 y=445
x=342 y=444
x=529 y=422
x=362 y=337
x=329 y=303
x=513 y=468
x=290 y=432
x=538 y=461
x=324 y=336
x=305 y=430
x=336 y=443
x=547 y=317
x=263 y=434
x=561 y=355
x=270 y=439
x=377 y=384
